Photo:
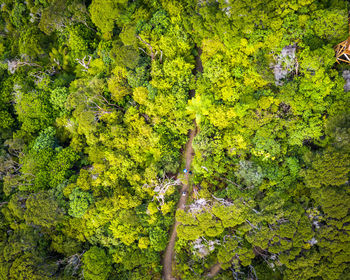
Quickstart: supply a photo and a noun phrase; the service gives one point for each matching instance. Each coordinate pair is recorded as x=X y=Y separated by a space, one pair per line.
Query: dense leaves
x=96 y=101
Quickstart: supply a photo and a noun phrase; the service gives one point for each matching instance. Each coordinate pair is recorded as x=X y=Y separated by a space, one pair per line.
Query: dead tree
x=222 y=201
x=203 y=247
x=9 y=166
x=199 y=205
x=13 y=65
x=161 y=187
x=73 y=263
x=286 y=62
x=84 y=64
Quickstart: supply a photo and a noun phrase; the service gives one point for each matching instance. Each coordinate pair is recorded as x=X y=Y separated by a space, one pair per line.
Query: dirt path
x=214 y=270
x=169 y=251
x=188 y=153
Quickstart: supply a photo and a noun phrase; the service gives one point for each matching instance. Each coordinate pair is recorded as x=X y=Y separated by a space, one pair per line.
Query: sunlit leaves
x=104 y=14
x=97 y=264
x=79 y=203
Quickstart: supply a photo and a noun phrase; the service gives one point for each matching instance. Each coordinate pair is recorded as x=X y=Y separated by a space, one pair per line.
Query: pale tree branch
x=83 y=63
x=152 y=53
x=161 y=187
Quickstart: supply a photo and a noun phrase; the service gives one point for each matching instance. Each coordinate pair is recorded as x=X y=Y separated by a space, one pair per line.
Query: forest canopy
x=105 y=103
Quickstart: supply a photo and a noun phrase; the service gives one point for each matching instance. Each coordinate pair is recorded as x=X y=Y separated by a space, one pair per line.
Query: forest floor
x=188 y=153
x=214 y=270
x=169 y=251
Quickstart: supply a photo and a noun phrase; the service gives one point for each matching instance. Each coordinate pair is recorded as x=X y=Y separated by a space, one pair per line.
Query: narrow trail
x=214 y=270
x=169 y=251
x=188 y=153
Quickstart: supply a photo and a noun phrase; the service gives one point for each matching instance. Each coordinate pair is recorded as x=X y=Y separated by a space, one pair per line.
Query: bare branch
x=13 y=65
x=161 y=57
x=198 y=205
x=83 y=63
x=253 y=226
x=161 y=186
x=3 y=203
x=148 y=45
x=222 y=201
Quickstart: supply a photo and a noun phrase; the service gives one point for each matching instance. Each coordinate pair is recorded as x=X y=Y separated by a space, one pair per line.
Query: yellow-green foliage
x=97 y=99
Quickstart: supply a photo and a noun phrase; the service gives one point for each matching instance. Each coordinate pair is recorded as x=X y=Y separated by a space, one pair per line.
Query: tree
x=158 y=239
x=79 y=202
x=31 y=42
x=34 y=110
x=328 y=168
x=32 y=267
x=45 y=139
x=250 y=173
x=125 y=227
x=43 y=210
x=54 y=17
x=104 y=14
x=96 y=264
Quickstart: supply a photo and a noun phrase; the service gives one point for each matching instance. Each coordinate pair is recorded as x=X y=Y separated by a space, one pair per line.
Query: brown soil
x=188 y=153
x=214 y=270
x=169 y=251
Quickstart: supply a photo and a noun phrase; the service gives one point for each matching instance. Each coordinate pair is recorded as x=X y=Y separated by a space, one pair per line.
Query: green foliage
x=96 y=102
x=53 y=16
x=249 y=173
x=158 y=239
x=29 y=266
x=58 y=98
x=18 y=17
x=6 y=120
x=330 y=168
x=79 y=39
x=126 y=56
x=31 y=42
x=79 y=202
x=97 y=264
x=104 y=14
x=34 y=110
x=45 y=139
x=42 y=210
